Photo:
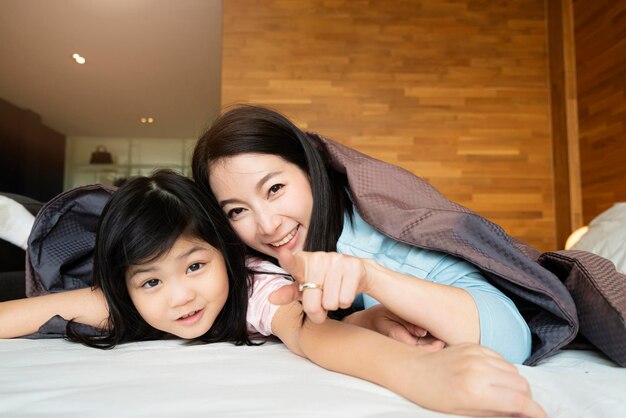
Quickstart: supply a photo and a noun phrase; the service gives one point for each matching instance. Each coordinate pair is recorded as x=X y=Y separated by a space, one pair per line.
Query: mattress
x=55 y=378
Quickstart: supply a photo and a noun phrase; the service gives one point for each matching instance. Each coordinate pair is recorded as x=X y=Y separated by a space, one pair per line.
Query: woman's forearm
x=449 y=313
x=466 y=379
x=25 y=316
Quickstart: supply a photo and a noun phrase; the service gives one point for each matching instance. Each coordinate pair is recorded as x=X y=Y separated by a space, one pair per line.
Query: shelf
x=131 y=157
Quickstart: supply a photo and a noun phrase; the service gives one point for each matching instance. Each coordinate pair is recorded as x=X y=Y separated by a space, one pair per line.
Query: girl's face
x=267 y=199
x=183 y=291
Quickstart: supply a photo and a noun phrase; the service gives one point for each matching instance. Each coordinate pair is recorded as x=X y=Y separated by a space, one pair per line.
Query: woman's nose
x=268 y=222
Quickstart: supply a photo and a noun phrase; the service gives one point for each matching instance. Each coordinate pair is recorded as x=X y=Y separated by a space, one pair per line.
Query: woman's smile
x=287 y=239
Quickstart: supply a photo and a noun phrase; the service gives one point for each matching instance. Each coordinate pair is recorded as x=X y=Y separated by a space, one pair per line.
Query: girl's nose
x=180 y=293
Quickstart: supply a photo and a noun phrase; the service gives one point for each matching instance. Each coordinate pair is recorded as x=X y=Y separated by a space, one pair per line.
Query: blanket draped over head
x=559 y=293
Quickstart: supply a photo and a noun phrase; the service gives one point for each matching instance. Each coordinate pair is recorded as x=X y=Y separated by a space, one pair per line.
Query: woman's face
x=267 y=199
x=183 y=291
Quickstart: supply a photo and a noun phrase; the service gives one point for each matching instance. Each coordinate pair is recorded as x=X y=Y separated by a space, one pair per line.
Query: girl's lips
x=191 y=319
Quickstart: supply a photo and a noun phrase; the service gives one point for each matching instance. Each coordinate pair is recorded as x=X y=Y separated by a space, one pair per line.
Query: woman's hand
x=468 y=379
x=449 y=313
x=339 y=277
x=380 y=319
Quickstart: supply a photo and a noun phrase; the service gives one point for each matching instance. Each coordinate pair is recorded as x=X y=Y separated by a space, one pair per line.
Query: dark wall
x=31 y=154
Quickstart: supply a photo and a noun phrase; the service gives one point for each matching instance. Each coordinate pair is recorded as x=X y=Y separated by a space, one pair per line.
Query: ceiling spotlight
x=143 y=120
x=148 y=119
x=78 y=58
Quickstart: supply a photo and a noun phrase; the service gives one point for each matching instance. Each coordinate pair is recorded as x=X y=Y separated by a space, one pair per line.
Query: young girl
x=167 y=265
x=281 y=194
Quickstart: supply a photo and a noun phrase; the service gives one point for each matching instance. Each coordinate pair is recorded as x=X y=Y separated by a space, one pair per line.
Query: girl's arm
x=465 y=379
x=25 y=316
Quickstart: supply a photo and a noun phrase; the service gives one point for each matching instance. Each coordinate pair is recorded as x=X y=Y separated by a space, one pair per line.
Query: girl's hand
x=341 y=278
x=380 y=319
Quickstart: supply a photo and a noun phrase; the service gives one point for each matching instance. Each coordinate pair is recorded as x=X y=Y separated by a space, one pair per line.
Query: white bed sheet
x=54 y=378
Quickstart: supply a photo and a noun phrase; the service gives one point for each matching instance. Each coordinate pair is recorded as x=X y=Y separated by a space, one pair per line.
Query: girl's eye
x=275 y=188
x=195 y=267
x=149 y=284
x=234 y=212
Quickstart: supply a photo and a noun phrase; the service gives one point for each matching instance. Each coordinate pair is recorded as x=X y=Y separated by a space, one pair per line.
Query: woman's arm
x=448 y=313
x=25 y=316
x=465 y=379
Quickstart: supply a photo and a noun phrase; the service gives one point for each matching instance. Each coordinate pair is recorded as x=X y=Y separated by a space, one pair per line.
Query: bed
x=167 y=378
x=54 y=378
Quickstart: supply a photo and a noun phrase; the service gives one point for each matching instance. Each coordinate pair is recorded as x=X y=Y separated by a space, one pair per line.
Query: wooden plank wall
x=565 y=147
x=600 y=38
x=454 y=90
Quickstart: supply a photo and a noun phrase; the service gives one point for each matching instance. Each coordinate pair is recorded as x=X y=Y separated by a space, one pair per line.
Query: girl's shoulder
x=258 y=265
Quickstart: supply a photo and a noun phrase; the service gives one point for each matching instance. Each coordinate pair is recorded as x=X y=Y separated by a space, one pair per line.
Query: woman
x=280 y=192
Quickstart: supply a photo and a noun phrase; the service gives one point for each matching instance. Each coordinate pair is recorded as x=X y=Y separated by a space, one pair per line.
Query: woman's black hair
x=255 y=129
x=140 y=223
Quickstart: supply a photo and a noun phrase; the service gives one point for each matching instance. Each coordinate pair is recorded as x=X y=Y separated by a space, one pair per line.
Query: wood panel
x=600 y=33
x=565 y=145
x=454 y=90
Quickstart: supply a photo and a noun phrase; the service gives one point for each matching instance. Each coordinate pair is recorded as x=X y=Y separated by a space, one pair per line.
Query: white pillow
x=607 y=236
x=15 y=222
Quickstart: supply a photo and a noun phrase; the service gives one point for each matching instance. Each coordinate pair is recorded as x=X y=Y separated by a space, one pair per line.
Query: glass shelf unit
x=131 y=157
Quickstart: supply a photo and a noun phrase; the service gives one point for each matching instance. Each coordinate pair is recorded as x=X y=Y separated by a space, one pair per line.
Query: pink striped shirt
x=260 y=310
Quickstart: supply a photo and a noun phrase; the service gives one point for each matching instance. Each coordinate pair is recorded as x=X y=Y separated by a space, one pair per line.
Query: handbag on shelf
x=101 y=156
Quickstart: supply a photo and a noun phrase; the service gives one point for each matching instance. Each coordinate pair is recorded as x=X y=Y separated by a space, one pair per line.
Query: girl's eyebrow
x=134 y=271
x=137 y=270
x=190 y=251
x=258 y=187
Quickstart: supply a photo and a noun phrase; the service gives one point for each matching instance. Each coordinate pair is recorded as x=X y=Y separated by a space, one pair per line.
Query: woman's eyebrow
x=258 y=187
x=265 y=178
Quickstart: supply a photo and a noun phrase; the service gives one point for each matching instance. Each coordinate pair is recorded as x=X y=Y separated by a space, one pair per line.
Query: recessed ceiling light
x=78 y=58
x=145 y=119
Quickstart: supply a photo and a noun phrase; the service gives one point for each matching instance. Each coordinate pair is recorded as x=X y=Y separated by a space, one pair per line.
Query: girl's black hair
x=255 y=129
x=141 y=222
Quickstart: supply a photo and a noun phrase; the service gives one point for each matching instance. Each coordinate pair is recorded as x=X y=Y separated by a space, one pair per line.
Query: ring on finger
x=309 y=285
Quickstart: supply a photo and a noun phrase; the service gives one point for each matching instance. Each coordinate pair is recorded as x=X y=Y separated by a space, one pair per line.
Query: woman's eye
x=234 y=212
x=149 y=284
x=195 y=267
x=275 y=188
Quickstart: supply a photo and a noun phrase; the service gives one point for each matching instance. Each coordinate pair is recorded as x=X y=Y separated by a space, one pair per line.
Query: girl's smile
x=267 y=199
x=191 y=318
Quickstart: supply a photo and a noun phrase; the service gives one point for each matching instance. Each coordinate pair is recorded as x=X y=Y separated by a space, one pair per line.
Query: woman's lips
x=289 y=241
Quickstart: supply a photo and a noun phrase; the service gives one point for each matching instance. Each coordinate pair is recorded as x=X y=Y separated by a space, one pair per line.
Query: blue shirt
x=502 y=327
